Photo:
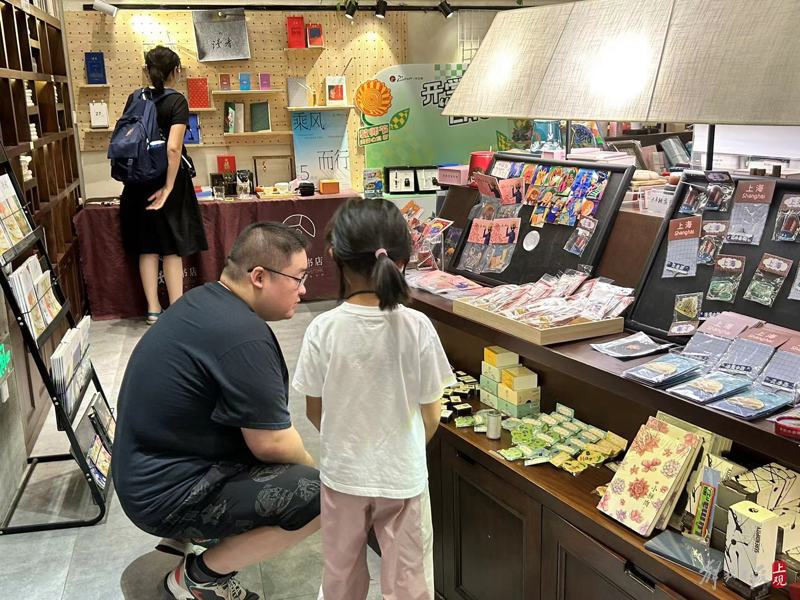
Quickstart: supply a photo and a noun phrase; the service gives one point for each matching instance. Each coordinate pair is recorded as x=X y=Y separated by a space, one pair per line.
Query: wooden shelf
x=256 y=134
x=30 y=184
x=34 y=44
x=32 y=110
x=97 y=130
x=36 y=12
x=244 y=92
x=31 y=76
x=306 y=49
x=604 y=372
x=60 y=106
x=52 y=137
x=318 y=108
x=97 y=86
x=13 y=151
x=48 y=204
x=197 y=110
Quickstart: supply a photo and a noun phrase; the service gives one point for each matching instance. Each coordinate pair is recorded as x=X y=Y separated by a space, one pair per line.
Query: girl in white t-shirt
x=373 y=371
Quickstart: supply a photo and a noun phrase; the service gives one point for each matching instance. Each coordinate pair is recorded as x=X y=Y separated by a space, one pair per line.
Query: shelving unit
x=306 y=49
x=199 y=110
x=244 y=92
x=255 y=134
x=318 y=108
x=94 y=85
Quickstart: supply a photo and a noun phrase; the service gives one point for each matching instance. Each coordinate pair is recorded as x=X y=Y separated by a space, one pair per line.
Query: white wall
x=432 y=39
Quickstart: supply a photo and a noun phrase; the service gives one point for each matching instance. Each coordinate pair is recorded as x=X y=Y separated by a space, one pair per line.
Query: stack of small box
x=507 y=385
x=454 y=399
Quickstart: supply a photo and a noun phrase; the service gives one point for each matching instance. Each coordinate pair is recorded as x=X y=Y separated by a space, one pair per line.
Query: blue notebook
x=95 y=68
x=192 y=135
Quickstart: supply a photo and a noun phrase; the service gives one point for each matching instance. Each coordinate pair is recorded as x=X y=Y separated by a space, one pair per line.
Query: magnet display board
x=546 y=253
x=653 y=311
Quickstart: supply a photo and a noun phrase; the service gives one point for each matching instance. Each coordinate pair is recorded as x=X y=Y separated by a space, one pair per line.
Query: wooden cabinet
x=491 y=533
x=577 y=567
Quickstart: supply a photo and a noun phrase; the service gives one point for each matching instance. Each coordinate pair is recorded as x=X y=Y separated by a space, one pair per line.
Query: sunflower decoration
x=373 y=98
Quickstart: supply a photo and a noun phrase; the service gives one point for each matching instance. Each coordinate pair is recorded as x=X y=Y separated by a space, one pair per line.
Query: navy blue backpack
x=138 y=150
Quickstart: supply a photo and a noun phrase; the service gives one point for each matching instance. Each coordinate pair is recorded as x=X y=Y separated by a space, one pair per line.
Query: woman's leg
x=148 y=271
x=173 y=274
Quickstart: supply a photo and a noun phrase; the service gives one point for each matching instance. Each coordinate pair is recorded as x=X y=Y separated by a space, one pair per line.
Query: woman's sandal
x=152 y=317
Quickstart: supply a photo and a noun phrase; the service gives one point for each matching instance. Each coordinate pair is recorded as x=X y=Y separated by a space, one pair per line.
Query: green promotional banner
x=402 y=121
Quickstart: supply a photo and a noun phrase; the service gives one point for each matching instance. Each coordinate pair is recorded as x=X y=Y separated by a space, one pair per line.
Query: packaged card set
x=682 y=248
x=632 y=346
x=686 y=314
x=750 y=211
x=664 y=371
x=580 y=238
x=753 y=403
x=713 y=386
x=782 y=373
x=727 y=276
x=750 y=353
x=713 y=236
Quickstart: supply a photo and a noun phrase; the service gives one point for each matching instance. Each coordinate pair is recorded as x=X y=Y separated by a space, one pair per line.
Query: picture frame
x=400 y=180
x=268 y=170
x=426 y=178
x=335 y=90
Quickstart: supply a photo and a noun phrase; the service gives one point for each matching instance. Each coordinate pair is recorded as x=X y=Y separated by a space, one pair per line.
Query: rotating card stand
x=65 y=419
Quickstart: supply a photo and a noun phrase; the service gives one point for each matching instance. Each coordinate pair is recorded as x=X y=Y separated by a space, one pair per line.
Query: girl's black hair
x=359 y=232
x=160 y=63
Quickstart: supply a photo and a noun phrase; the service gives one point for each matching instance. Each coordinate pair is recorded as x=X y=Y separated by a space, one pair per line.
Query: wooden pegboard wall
x=372 y=43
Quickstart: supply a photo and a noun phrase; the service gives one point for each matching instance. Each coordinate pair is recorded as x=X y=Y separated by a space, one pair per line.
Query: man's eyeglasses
x=300 y=280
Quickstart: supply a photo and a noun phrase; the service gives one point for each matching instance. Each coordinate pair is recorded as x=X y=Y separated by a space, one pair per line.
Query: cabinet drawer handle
x=642 y=580
x=464 y=457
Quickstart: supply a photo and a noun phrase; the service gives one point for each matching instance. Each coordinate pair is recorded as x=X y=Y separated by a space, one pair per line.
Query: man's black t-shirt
x=209 y=367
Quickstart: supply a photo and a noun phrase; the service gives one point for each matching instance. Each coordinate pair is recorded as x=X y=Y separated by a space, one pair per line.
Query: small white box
x=750 y=543
x=98 y=115
x=788 y=526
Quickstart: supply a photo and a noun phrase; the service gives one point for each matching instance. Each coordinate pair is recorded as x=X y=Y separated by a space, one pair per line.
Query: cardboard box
x=453 y=175
x=718 y=539
x=519 y=396
x=769 y=486
x=519 y=378
x=500 y=357
x=489 y=399
x=328 y=186
x=490 y=385
x=491 y=371
x=750 y=543
x=721 y=515
x=528 y=409
x=788 y=526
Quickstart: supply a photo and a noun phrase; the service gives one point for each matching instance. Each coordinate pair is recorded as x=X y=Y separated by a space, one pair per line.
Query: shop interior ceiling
x=695 y=61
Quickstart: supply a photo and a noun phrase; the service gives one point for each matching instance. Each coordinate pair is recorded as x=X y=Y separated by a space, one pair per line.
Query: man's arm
x=431 y=413
x=314 y=411
x=283 y=446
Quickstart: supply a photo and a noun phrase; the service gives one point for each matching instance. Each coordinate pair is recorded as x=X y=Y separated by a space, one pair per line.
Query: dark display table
x=112 y=277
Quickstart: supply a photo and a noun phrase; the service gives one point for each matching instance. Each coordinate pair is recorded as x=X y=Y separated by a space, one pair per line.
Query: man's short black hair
x=263 y=244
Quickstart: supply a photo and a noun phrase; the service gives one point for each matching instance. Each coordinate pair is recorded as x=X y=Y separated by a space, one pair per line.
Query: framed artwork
x=221 y=35
x=335 y=90
x=426 y=179
x=269 y=170
x=400 y=180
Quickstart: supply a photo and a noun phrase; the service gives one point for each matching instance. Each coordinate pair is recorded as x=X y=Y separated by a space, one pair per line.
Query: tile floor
x=114 y=559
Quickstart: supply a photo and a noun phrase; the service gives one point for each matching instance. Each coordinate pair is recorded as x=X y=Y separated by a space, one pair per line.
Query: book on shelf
x=193 y=134
x=295 y=32
x=22 y=282
x=314 y=35
x=103 y=420
x=95 y=68
x=245 y=82
x=335 y=90
x=70 y=366
x=226 y=163
x=48 y=303
x=238 y=117
x=259 y=116
x=197 y=91
x=13 y=221
x=225 y=81
x=298 y=91
x=229 y=120
x=264 y=81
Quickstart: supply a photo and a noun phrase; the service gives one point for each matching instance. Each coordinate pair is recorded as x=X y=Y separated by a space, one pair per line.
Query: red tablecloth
x=112 y=277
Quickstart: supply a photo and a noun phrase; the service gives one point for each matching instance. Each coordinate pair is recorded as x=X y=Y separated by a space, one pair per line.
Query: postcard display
x=35 y=298
x=747 y=249
x=573 y=205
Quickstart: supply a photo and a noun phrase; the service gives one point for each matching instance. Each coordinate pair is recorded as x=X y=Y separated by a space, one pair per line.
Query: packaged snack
x=465 y=422
x=574 y=466
x=511 y=454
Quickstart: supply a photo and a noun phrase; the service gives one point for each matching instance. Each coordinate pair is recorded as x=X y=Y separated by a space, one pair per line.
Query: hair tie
x=381 y=252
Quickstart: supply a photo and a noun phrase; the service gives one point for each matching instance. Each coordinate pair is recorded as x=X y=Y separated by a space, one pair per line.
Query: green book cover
x=259 y=116
x=229 y=123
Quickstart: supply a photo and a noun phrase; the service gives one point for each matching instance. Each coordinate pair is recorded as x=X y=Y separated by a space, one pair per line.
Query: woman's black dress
x=177 y=227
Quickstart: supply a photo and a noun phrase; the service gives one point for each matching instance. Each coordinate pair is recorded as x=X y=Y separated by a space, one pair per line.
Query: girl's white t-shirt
x=372 y=369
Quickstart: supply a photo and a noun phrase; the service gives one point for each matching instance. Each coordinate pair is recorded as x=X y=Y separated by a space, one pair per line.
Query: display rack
x=35 y=243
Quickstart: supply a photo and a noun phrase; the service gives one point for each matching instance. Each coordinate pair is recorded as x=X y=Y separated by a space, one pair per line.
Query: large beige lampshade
x=703 y=61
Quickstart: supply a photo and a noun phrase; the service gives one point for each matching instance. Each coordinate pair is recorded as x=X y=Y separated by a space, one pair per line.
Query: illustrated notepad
x=649 y=474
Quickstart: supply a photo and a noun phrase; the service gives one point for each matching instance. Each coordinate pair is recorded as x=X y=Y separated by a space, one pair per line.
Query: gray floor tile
x=49 y=552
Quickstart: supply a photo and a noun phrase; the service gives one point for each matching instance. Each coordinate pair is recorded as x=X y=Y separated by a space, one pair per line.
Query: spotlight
x=380 y=9
x=350 y=13
x=105 y=8
x=446 y=9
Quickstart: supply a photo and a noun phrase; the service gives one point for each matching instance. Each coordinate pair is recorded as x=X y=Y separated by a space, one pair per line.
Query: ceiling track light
x=380 y=9
x=350 y=12
x=446 y=9
x=105 y=8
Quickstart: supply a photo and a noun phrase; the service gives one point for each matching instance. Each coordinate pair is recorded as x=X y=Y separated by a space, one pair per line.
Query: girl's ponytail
x=356 y=230
x=389 y=283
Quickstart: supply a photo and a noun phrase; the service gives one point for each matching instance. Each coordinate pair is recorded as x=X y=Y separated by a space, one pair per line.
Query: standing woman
x=162 y=217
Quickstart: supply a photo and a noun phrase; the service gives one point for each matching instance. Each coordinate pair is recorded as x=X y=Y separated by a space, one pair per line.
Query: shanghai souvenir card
x=753 y=403
x=487 y=185
x=646 y=479
x=750 y=353
x=768 y=279
x=714 y=386
x=451 y=238
x=532 y=194
x=588 y=190
x=719 y=191
x=663 y=370
x=632 y=346
x=713 y=236
x=787 y=223
x=705 y=347
x=794 y=291
x=580 y=238
x=686 y=314
x=436 y=227
x=682 y=247
x=783 y=370
x=515 y=170
x=512 y=191
x=726 y=278
x=750 y=211
x=694 y=200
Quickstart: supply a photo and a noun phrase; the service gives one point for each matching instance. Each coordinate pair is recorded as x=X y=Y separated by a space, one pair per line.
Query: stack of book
x=33 y=290
x=99 y=460
x=70 y=365
x=103 y=420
